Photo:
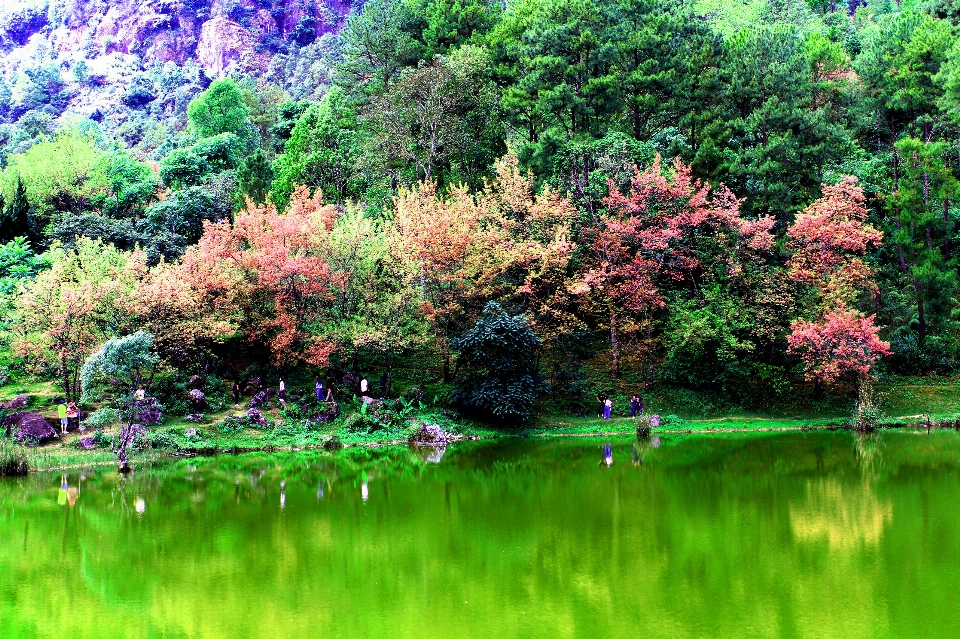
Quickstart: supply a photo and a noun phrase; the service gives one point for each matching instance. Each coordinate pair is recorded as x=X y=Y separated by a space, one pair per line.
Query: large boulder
x=198 y=399
x=30 y=429
x=18 y=402
x=87 y=443
x=148 y=411
x=256 y=417
x=429 y=435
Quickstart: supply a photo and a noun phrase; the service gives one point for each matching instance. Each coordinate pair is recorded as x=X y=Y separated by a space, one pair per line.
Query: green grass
x=906 y=401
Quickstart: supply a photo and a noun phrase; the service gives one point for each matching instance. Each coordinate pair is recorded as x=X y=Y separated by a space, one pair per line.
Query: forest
x=677 y=194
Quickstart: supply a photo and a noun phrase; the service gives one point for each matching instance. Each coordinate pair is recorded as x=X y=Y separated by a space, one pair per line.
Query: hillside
x=134 y=66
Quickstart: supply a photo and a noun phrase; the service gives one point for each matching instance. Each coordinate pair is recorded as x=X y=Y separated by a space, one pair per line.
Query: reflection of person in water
x=607 y=455
x=635 y=456
x=62 y=495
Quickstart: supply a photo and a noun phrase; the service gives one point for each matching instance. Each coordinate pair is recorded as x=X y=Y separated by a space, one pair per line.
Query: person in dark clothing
x=600 y=400
x=236 y=392
x=634 y=405
x=383 y=386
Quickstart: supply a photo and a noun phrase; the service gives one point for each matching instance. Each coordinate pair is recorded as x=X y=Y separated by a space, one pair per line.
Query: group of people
x=68 y=412
x=605 y=406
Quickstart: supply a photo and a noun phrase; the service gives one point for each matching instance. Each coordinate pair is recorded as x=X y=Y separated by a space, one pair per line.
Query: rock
x=654 y=421
x=429 y=435
x=224 y=43
x=30 y=429
x=87 y=443
x=257 y=418
x=252 y=387
x=190 y=432
x=198 y=399
x=195 y=382
x=258 y=400
x=194 y=417
x=328 y=415
x=372 y=404
x=18 y=402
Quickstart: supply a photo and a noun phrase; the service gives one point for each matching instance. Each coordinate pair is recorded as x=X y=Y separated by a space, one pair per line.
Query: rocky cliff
x=88 y=57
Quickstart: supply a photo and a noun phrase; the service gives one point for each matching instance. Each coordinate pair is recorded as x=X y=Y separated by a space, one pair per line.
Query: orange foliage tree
x=506 y=243
x=272 y=277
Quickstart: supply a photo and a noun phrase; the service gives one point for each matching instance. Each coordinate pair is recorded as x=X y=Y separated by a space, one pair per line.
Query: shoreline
x=214 y=451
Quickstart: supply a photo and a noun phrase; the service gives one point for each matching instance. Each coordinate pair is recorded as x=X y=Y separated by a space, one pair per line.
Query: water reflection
x=760 y=536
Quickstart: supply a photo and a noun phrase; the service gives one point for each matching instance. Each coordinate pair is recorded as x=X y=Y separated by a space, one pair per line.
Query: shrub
x=13 y=459
x=498 y=358
x=102 y=418
x=233 y=425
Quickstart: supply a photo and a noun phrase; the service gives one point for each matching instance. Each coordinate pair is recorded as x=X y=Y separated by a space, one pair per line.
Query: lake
x=819 y=534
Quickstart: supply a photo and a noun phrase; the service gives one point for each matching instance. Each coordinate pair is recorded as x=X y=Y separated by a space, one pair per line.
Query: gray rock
x=256 y=417
x=30 y=429
x=194 y=417
x=198 y=399
x=258 y=400
x=429 y=435
x=88 y=442
x=327 y=415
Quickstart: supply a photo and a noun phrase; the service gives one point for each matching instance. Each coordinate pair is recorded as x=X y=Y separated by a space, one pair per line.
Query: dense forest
x=711 y=195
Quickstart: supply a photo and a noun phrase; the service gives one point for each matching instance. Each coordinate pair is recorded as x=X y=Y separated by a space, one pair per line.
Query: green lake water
x=816 y=535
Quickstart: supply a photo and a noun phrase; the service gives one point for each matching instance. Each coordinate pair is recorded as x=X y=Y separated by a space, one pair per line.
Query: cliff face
x=89 y=53
x=213 y=33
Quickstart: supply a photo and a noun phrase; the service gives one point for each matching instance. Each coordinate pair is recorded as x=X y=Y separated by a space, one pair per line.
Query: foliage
x=13 y=459
x=102 y=418
x=71 y=308
x=497 y=359
x=127 y=360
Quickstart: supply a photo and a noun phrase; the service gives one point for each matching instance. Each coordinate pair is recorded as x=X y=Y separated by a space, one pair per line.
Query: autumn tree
x=827 y=243
x=73 y=307
x=668 y=230
x=506 y=243
x=273 y=267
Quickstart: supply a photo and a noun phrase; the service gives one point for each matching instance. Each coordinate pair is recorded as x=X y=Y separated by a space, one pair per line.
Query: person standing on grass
x=600 y=399
x=236 y=392
x=62 y=413
x=318 y=387
x=73 y=413
x=607 y=408
x=283 y=390
x=364 y=386
x=634 y=406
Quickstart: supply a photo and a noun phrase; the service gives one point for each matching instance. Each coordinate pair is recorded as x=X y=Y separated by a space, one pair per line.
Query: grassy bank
x=906 y=402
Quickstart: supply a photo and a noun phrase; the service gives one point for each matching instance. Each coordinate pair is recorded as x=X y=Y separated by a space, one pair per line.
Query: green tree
x=222 y=109
x=497 y=364
x=254 y=177
x=322 y=153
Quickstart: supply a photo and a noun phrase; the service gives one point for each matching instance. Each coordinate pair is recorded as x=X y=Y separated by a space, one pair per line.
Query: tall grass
x=13 y=459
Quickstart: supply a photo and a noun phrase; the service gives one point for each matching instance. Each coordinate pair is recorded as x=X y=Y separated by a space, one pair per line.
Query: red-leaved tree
x=271 y=268
x=827 y=243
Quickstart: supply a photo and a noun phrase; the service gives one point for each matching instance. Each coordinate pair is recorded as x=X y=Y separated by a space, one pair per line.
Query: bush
x=13 y=459
x=102 y=418
x=498 y=359
x=233 y=425
x=162 y=440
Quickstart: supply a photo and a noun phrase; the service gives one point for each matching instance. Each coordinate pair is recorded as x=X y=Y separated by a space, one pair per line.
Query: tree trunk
x=921 y=318
x=649 y=381
x=946 y=225
x=614 y=345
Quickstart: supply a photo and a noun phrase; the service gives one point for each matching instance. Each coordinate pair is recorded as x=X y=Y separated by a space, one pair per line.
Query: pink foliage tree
x=843 y=343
